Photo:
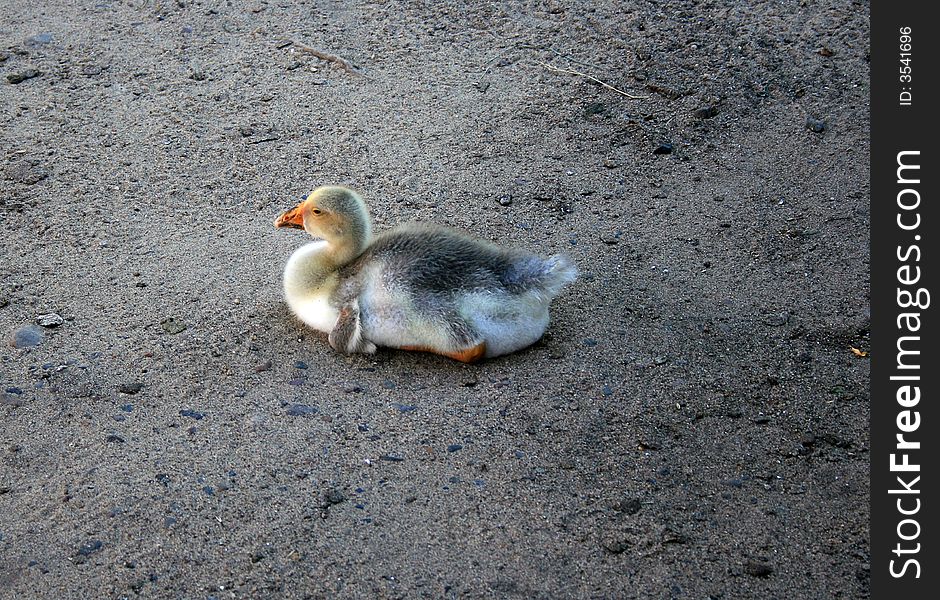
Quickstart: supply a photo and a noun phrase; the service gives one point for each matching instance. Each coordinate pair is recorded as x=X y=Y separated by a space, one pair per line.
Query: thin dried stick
x=595 y=79
x=342 y=63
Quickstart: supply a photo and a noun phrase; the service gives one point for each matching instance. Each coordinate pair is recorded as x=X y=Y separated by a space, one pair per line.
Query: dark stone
x=192 y=414
x=629 y=506
x=114 y=439
x=90 y=547
x=131 y=387
x=815 y=125
x=21 y=76
x=391 y=458
x=706 y=112
x=454 y=448
x=777 y=320
x=300 y=365
x=617 y=546
x=757 y=569
x=265 y=366
x=333 y=496
x=505 y=200
x=664 y=148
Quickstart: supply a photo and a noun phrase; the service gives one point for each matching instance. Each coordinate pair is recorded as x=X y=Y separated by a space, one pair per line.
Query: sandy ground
x=694 y=424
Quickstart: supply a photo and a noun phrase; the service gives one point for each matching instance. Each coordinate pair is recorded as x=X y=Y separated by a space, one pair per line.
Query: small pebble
x=333 y=496
x=757 y=569
x=21 y=76
x=302 y=410
x=49 y=320
x=629 y=506
x=14 y=400
x=454 y=448
x=27 y=337
x=114 y=439
x=39 y=39
x=815 y=125
x=90 y=547
x=172 y=325
x=192 y=414
x=505 y=200
x=130 y=388
x=664 y=148
x=391 y=458
x=300 y=365
x=265 y=366
x=616 y=546
x=706 y=112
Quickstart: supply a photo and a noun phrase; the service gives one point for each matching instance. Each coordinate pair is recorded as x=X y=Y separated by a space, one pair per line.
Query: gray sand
x=693 y=425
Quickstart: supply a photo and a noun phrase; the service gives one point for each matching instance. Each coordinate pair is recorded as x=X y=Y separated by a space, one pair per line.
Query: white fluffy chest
x=314 y=310
x=308 y=292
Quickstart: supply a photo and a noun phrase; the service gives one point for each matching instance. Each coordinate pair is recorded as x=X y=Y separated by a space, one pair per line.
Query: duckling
x=419 y=287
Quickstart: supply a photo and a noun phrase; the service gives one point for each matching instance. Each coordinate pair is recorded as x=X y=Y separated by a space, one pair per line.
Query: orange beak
x=292 y=218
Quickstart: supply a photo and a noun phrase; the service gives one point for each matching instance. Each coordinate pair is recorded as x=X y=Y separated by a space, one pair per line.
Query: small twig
x=595 y=79
x=270 y=138
x=342 y=63
x=560 y=55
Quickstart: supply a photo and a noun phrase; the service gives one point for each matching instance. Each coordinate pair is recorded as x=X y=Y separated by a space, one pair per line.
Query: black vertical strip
x=904 y=269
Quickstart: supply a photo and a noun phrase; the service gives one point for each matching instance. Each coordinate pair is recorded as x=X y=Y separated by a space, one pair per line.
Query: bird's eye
x=317 y=211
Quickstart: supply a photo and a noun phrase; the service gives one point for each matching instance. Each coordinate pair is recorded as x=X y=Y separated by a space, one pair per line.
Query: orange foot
x=470 y=355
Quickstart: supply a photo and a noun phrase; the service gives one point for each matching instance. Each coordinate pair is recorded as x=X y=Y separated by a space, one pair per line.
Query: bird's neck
x=312 y=266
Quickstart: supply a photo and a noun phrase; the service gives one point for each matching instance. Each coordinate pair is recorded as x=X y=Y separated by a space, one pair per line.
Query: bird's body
x=417 y=286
